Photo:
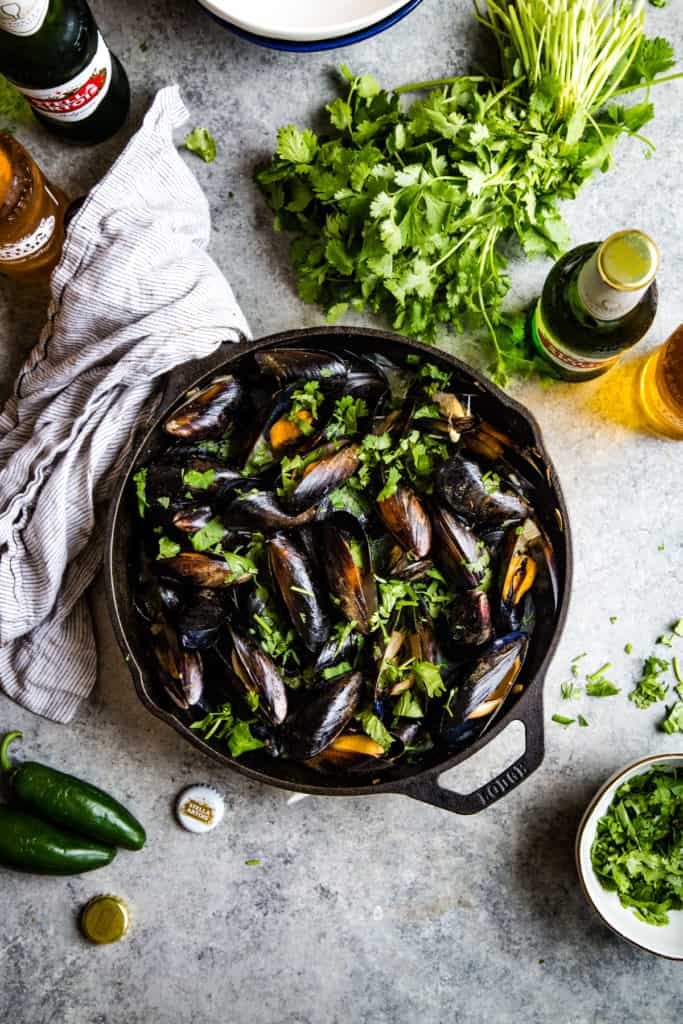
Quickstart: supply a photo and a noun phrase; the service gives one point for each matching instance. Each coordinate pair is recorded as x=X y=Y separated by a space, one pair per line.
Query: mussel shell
x=516 y=572
x=200 y=619
x=206 y=414
x=403 y=565
x=291 y=572
x=200 y=570
x=180 y=671
x=293 y=364
x=460 y=484
x=350 y=753
x=257 y=672
x=458 y=548
x=261 y=509
x=192 y=518
x=350 y=576
x=324 y=476
x=332 y=652
x=500 y=664
x=471 y=623
x=405 y=516
x=318 y=722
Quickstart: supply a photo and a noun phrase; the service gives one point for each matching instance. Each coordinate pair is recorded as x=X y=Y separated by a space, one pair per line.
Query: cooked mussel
x=351 y=752
x=261 y=510
x=290 y=364
x=348 y=565
x=291 y=571
x=406 y=517
x=486 y=686
x=459 y=549
x=403 y=565
x=461 y=484
x=180 y=670
x=517 y=571
x=470 y=618
x=200 y=618
x=324 y=475
x=317 y=723
x=206 y=414
x=202 y=570
x=257 y=673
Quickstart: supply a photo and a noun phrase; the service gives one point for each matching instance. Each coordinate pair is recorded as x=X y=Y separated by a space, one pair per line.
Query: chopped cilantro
x=429 y=677
x=164 y=502
x=613 y=619
x=222 y=725
x=408 y=706
x=334 y=671
x=345 y=416
x=374 y=728
x=601 y=688
x=636 y=850
x=569 y=690
x=306 y=399
x=628 y=648
x=140 y=480
x=563 y=720
x=252 y=863
x=209 y=535
x=650 y=688
x=167 y=548
x=582 y=721
x=491 y=482
x=219 y=449
x=200 y=481
x=201 y=142
x=674 y=719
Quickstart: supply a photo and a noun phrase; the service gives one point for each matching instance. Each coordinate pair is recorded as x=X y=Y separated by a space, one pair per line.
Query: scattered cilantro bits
x=637 y=848
x=563 y=720
x=201 y=142
x=403 y=210
x=650 y=688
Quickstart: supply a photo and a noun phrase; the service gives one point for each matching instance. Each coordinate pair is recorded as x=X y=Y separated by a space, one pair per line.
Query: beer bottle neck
x=615 y=277
x=23 y=17
x=601 y=300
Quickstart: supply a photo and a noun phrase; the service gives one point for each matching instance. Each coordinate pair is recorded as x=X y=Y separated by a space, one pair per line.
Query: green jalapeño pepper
x=70 y=803
x=29 y=844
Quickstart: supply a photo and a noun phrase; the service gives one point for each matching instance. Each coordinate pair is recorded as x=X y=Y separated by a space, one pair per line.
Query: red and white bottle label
x=79 y=97
x=23 y=17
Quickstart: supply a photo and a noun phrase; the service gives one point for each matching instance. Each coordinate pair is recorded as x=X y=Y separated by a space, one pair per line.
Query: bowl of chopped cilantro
x=629 y=854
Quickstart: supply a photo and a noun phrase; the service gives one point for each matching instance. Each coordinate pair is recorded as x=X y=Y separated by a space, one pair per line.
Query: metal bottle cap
x=200 y=808
x=628 y=260
x=105 y=919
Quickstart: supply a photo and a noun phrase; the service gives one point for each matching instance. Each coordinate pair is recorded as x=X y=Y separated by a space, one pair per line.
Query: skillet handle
x=530 y=714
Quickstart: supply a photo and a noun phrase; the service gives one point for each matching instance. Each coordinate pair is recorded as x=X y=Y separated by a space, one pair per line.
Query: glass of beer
x=31 y=215
x=661 y=387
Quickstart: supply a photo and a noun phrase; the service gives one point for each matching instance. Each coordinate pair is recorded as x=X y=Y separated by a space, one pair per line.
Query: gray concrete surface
x=378 y=910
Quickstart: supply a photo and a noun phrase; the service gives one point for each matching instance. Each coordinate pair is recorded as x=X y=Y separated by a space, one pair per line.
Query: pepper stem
x=7 y=739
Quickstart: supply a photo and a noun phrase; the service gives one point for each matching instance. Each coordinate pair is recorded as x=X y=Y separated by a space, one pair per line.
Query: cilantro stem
x=642 y=85
x=434 y=82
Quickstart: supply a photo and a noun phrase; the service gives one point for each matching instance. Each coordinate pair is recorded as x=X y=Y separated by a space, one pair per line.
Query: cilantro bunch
x=405 y=211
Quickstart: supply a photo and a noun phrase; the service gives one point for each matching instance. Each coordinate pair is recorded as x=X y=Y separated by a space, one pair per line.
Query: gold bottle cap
x=628 y=260
x=105 y=919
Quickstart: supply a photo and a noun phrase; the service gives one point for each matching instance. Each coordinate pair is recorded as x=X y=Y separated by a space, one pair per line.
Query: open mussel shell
x=206 y=414
x=348 y=565
x=403 y=565
x=324 y=475
x=297 y=586
x=294 y=364
x=458 y=548
x=257 y=673
x=180 y=671
x=201 y=570
x=460 y=484
x=406 y=517
x=517 y=572
x=470 y=617
x=317 y=723
x=351 y=753
x=486 y=686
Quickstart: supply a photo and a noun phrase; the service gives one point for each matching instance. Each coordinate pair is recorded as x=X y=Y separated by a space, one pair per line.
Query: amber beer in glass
x=661 y=387
x=54 y=53
x=31 y=215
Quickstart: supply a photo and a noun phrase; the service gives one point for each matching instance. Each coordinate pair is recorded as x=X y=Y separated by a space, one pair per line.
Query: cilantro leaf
x=201 y=142
x=674 y=719
x=199 y=480
x=374 y=728
x=208 y=535
x=140 y=481
x=167 y=548
x=297 y=147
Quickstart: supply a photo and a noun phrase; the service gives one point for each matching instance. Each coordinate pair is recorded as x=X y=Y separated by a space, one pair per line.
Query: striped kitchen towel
x=135 y=294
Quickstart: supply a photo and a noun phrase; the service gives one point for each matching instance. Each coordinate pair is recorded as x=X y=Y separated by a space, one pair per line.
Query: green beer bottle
x=52 y=51
x=597 y=301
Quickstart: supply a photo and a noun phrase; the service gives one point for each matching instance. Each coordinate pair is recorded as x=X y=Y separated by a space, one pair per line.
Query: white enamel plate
x=302 y=20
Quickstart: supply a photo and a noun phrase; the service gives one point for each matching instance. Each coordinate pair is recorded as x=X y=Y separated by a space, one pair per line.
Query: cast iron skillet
x=420 y=783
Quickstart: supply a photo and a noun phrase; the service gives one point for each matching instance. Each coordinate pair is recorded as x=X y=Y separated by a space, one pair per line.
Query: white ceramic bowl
x=302 y=20
x=667 y=940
